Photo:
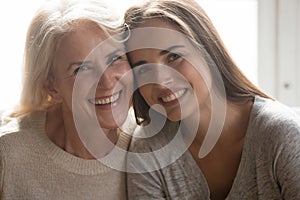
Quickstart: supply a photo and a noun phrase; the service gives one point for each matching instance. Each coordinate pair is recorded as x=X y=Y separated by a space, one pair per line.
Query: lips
x=166 y=98
x=106 y=100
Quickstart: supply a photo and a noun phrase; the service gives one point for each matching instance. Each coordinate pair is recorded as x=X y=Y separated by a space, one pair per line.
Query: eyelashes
x=115 y=58
x=85 y=66
x=173 y=60
x=81 y=68
x=174 y=56
x=143 y=69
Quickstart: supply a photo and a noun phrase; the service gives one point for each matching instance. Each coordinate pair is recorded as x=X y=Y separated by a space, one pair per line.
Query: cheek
x=63 y=93
x=201 y=90
x=146 y=93
x=124 y=67
x=200 y=82
x=125 y=72
x=197 y=78
x=128 y=77
x=76 y=89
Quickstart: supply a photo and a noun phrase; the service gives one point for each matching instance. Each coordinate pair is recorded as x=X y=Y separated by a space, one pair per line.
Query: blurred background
x=263 y=37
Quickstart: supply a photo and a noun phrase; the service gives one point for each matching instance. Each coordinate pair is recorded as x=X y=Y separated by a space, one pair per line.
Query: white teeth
x=107 y=100
x=174 y=96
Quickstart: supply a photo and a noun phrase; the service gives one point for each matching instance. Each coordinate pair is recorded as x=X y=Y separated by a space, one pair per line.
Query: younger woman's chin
x=174 y=119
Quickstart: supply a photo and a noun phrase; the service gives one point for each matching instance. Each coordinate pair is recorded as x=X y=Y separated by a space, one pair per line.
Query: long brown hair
x=191 y=20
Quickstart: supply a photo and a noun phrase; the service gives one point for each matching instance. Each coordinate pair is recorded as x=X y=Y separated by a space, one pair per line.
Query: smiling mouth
x=106 y=101
x=173 y=96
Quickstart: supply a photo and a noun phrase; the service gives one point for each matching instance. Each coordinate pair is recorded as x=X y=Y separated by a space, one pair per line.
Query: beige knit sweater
x=32 y=167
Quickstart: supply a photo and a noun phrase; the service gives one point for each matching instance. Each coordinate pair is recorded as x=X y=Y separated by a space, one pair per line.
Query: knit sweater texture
x=32 y=167
x=269 y=168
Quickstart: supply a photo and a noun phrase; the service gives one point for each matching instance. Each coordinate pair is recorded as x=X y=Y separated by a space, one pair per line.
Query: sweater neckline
x=256 y=108
x=240 y=171
x=66 y=160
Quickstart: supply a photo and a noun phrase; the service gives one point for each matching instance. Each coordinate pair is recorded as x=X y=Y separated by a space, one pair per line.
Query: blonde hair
x=52 y=21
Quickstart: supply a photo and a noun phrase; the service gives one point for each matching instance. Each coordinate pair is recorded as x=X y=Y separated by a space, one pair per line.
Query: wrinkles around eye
x=81 y=68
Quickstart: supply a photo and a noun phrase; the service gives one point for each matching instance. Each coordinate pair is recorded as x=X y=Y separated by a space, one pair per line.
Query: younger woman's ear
x=50 y=88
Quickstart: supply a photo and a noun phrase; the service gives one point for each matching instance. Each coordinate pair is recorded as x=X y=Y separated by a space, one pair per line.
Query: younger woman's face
x=170 y=72
x=103 y=78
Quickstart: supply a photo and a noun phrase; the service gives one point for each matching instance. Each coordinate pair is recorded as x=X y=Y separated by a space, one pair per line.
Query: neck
x=219 y=133
x=61 y=130
x=207 y=122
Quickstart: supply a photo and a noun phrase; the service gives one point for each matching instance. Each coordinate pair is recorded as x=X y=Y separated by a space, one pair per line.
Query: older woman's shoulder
x=9 y=128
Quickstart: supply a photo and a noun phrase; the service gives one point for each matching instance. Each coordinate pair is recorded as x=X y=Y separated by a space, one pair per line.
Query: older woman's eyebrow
x=163 y=52
x=77 y=63
x=110 y=55
x=114 y=52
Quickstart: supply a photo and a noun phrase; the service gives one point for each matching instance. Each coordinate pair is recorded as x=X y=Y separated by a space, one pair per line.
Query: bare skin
x=221 y=164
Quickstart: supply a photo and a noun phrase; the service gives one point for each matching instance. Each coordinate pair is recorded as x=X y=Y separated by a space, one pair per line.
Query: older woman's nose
x=107 y=80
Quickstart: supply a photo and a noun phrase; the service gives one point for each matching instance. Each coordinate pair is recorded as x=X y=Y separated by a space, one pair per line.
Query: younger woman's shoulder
x=273 y=124
x=270 y=113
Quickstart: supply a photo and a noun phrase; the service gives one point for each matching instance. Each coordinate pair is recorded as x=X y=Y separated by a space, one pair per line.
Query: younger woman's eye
x=142 y=70
x=80 y=69
x=174 y=56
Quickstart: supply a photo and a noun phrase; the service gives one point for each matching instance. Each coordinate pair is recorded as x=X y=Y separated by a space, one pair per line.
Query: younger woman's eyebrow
x=163 y=52
x=169 y=49
x=142 y=62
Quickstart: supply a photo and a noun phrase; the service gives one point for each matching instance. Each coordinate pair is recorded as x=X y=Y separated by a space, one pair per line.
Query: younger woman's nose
x=164 y=75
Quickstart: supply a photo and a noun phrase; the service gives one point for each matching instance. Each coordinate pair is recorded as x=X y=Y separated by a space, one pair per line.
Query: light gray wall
x=279 y=49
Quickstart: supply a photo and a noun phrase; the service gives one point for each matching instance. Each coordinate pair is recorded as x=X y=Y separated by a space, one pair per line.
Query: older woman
x=76 y=94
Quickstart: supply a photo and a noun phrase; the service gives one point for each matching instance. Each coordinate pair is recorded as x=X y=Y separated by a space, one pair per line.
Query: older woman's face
x=93 y=81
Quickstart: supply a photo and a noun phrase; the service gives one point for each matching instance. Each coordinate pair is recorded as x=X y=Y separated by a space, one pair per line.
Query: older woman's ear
x=49 y=87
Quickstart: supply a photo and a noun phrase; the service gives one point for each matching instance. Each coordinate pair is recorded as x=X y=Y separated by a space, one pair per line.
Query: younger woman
x=235 y=142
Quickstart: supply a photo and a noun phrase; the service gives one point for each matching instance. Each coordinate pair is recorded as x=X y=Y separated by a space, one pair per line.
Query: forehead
x=85 y=40
x=83 y=35
x=156 y=34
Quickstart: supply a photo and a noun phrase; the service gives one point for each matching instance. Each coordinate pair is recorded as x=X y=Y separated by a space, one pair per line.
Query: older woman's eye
x=116 y=58
x=80 y=68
